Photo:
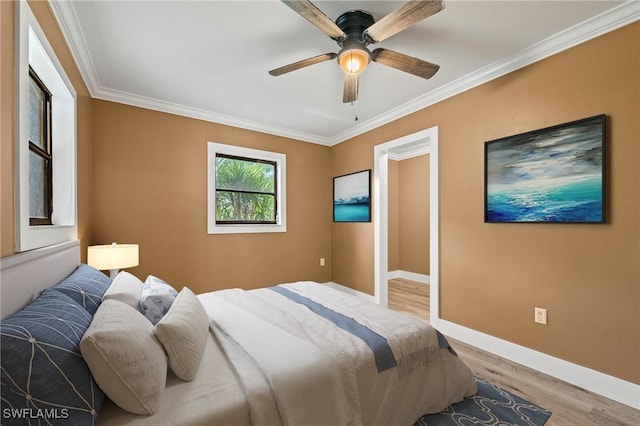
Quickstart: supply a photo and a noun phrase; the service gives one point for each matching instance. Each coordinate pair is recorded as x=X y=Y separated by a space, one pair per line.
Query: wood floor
x=569 y=404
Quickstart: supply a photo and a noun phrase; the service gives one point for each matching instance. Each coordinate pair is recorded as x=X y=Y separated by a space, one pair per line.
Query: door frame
x=381 y=215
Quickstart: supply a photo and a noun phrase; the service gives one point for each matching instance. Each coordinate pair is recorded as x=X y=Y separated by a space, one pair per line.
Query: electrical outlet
x=540 y=316
x=322 y=261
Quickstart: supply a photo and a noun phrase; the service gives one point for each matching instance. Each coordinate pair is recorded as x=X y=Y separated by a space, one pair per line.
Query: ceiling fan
x=354 y=31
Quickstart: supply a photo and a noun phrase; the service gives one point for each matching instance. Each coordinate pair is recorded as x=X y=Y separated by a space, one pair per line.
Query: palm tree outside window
x=246 y=190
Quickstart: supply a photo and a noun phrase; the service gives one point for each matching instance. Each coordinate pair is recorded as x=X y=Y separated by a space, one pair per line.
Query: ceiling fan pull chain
x=355 y=102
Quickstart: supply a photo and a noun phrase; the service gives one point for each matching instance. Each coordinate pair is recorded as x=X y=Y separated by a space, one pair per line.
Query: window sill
x=245 y=229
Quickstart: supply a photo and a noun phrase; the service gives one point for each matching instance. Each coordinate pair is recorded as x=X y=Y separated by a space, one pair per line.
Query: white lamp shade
x=113 y=256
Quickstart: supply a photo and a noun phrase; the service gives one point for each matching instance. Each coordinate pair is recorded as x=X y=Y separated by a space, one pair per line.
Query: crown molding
x=410 y=154
x=68 y=22
x=201 y=114
x=610 y=20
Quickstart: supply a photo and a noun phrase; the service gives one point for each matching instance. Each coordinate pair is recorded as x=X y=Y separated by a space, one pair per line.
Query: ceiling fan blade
x=350 y=93
x=408 y=14
x=303 y=63
x=405 y=63
x=311 y=13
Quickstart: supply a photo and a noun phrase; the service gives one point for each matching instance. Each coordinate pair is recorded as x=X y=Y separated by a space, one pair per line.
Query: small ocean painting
x=352 y=197
x=549 y=175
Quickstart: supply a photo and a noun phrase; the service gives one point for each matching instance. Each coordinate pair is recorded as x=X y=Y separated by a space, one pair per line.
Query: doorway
x=425 y=141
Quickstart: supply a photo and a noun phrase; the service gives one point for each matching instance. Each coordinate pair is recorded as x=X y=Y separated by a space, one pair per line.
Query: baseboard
x=420 y=278
x=594 y=381
x=351 y=291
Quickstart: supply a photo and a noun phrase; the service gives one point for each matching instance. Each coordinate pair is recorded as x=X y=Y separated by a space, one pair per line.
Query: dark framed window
x=246 y=190
x=40 y=152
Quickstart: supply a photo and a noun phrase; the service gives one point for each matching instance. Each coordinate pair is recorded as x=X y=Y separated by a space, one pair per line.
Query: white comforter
x=298 y=368
x=287 y=380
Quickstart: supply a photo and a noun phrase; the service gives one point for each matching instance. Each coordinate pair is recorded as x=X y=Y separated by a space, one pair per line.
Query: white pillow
x=126 y=288
x=156 y=298
x=125 y=358
x=183 y=333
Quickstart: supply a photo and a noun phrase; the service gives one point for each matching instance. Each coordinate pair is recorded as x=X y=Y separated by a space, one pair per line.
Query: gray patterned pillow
x=156 y=298
x=43 y=372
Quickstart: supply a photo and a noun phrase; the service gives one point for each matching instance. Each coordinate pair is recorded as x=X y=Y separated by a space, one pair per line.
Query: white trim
x=281 y=179
x=201 y=114
x=607 y=21
x=381 y=154
x=594 y=381
x=33 y=48
x=406 y=275
x=422 y=150
x=351 y=291
x=67 y=18
x=610 y=20
x=434 y=232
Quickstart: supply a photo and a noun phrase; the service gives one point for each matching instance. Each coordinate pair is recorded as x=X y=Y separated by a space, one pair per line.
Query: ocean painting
x=551 y=175
x=352 y=197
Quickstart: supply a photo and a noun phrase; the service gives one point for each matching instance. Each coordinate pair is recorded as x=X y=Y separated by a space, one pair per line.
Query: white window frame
x=33 y=48
x=214 y=148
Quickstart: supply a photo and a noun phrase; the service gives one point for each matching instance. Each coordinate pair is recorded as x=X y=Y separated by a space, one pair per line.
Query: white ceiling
x=209 y=59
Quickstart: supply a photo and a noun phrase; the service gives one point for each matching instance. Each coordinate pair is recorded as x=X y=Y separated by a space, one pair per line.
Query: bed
x=298 y=354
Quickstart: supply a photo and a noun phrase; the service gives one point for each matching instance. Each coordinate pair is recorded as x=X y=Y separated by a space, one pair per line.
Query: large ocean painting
x=352 y=197
x=549 y=175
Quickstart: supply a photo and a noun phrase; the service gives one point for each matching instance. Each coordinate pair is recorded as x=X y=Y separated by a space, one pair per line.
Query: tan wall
x=393 y=226
x=352 y=252
x=408 y=227
x=414 y=215
x=150 y=188
x=149 y=176
x=492 y=275
x=6 y=128
x=44 y=15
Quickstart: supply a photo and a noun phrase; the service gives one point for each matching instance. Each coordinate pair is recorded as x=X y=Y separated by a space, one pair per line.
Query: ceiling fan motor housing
x=353 y=24
x=354 y=55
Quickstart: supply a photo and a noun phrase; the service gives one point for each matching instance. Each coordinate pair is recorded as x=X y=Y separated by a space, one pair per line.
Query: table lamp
x=113 y=257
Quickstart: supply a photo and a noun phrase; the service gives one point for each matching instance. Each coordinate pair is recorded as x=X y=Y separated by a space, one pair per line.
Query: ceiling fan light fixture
x=353 y=60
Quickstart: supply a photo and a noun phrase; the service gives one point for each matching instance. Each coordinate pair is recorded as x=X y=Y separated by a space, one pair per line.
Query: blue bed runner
x=378 y=344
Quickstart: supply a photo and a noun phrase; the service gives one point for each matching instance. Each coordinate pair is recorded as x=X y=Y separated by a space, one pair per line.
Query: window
x=40 y=158
x=246 y=190
x=45 y=141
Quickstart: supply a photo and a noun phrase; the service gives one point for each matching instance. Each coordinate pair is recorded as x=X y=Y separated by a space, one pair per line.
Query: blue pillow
x=86 y=285
x=44 y=377
x=156 y=298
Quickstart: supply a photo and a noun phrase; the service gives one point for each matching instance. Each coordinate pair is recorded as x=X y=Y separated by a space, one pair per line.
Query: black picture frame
x=352 y=197
x=551 y=175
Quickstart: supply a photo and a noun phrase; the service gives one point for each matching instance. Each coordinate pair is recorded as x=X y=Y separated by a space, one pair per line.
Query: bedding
x=125 y=357
x=156 y=298
x=43 y=372
x=126 y=288
x=86 y=285
x=183 y=333
x=299 y=353
x=270 y=360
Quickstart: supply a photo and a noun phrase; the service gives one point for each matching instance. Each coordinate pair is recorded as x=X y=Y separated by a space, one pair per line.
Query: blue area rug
x=490 y=406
